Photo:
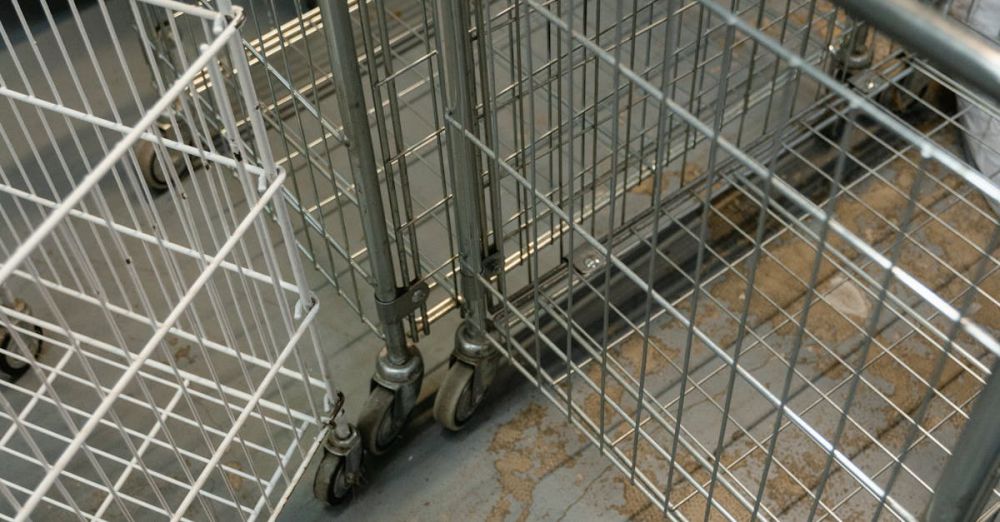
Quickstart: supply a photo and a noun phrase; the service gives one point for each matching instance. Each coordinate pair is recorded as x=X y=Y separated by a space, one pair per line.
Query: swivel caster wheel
x=335 y=481
x=381 y=420
x=456 y=400
x=394 y=392
x=13 y=367
x=339 y=471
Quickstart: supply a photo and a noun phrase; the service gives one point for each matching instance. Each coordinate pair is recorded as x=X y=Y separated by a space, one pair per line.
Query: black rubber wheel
x=379 y=424
x=455 y=402
x=14 y=367
x=332 y=484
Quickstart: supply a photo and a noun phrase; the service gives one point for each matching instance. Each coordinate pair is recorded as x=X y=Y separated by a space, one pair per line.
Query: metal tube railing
x=946 y=44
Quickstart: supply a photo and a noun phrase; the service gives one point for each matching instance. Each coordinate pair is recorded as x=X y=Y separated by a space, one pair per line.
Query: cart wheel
x=12 y=366
x=333 y=483
x=455 y=402
x=149 y=166
x=379 y=424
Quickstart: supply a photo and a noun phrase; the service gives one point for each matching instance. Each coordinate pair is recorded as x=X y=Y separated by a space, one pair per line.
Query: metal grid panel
x=720 y=326
x=291 y=73
x=691 y=222
x=180 y=377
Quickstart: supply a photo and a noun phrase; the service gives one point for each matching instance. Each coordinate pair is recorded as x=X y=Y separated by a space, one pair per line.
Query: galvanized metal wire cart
x=742 y=245
x=772 y=255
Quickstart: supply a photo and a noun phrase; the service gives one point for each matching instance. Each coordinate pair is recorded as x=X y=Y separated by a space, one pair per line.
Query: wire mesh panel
x=290 y=65
x=758 y=268
x=158 y=364
x=741 y=246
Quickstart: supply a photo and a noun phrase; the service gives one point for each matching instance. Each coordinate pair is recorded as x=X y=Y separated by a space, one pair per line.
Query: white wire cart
x=741 y=245
x=181 y=376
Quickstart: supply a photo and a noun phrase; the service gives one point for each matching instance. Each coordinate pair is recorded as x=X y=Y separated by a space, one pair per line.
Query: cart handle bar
x=947 y=44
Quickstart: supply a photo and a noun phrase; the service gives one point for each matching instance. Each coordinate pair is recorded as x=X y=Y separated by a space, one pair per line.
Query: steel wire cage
x=372 y=210
x=770 y=288
x=740 y=245
x=158 y=363
x=291 y=69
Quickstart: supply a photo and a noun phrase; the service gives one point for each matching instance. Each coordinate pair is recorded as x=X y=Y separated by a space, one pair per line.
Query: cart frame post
x=399 y=368
x=972 y=471
x=473 y=357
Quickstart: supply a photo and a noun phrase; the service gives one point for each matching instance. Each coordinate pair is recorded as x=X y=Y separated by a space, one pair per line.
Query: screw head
x=592 y=262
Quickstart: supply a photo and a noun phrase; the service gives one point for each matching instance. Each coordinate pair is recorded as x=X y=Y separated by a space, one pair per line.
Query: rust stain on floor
x=527 y=448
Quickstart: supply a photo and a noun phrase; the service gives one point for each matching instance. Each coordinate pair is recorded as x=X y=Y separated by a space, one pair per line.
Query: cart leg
x=852 y=53
x=967 y=480
x=474 y=360
x=399 y=368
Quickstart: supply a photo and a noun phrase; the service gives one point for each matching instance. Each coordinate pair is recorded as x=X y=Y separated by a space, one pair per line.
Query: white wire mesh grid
x=179 y=376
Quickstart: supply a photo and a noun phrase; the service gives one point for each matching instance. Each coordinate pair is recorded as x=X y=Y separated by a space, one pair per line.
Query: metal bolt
x=418 y=296
x=592 y=262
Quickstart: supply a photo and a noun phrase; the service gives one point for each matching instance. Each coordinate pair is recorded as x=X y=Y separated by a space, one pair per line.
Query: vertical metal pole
x=453 y=17
x=474 y=359
x=351 y=100
x=971 y=473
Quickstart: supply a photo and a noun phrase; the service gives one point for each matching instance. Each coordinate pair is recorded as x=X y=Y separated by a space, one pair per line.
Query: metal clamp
x=492 y=264
x=587 y=260
x=407 y=300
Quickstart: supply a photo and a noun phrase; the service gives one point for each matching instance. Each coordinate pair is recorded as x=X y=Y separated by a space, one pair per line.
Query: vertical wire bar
x=720 y=110
x=662 y=129
x=524 y=48
x=833 y=196
x=571 y=201
x=305 y=299
x=698 y=269
x=869 y=338
x=609 y=243
x=629 y=108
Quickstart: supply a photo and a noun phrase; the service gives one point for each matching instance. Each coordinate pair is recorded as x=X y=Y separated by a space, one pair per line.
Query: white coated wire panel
x=179 y=376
